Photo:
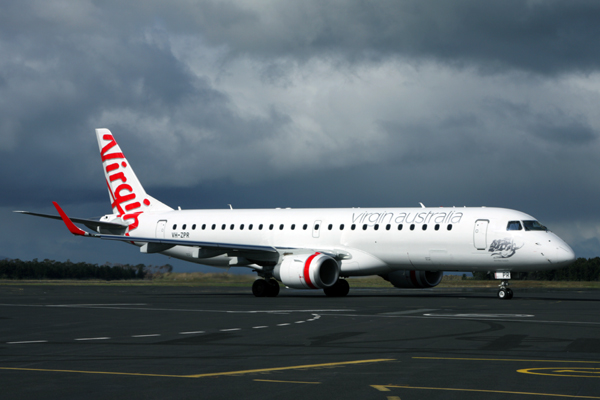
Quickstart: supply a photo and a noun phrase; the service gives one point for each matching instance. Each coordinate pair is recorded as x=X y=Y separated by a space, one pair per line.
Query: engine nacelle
x=307 y=271
x=414 y=279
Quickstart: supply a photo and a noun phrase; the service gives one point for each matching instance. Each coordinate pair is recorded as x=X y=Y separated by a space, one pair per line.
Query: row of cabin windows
x=305 y=226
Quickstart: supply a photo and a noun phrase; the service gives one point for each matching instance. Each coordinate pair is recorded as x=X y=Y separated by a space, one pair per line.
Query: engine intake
x=307 y=271
x=414 y=279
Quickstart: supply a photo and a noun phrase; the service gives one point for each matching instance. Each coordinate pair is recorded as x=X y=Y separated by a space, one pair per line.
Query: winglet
x=70 y=225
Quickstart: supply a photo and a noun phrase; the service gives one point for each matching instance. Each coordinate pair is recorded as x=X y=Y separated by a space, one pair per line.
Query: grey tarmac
x=183 y=342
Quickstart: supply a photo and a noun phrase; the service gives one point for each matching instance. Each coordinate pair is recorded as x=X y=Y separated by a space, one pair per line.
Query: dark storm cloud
x=65 y=68
x=301 y=104
x=546 y=37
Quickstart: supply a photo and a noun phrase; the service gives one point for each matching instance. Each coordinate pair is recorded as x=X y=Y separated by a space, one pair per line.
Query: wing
x=154 y=245
x=203 y=249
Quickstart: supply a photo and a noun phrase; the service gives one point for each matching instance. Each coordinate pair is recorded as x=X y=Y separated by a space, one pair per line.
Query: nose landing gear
x=504 y=293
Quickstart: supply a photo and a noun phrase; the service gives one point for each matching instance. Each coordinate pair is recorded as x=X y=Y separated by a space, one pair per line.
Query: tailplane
x=127 y=196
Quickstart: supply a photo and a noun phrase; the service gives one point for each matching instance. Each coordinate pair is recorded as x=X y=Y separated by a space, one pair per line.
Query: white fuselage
x=376 y=240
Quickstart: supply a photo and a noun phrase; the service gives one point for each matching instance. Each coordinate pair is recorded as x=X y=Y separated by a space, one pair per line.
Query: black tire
x=509 y=294
x=272 y=288
x=260 y=288
x=338 y=289
x=343 y=287
x=502 y=294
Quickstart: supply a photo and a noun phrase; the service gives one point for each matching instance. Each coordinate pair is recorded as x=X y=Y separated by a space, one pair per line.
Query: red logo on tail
x=123 y=193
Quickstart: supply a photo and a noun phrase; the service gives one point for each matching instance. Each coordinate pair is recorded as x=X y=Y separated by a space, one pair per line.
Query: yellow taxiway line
x=504 y=359
x=212 y=374
x=385 y=388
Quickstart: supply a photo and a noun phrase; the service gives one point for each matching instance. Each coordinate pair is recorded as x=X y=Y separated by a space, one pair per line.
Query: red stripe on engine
x=413 y=278
x=307 y=269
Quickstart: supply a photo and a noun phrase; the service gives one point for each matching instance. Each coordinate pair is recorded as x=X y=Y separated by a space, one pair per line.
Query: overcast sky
x=299 y=104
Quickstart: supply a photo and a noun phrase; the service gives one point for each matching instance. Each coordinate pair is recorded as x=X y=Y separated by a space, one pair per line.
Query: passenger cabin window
x=281 y=227
x=271 y=227
x=364 y=227
x=214 y=226
x=399 y=227
x=341 y=227
x=194 y=227
x=232 y=226
x=437 y=227
x=183 y=227
x=304 y=227
x=260 y=227
x=424 y=227
x=316 y=227
x=534 y=226
x=293 y=226
x=412 y=227
x=514 y=226
x=174 y=226
x=223 y=226
x=330 y=226
x=250 y=227
x=387 y=227
x=241 y=227
x=449 y=227
x=376 y=227
x=203 y=226
x=353 y=226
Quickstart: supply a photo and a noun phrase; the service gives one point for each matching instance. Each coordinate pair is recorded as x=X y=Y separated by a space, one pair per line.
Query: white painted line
x=481 y=315
x=112 y=307
x=190 y=333
x=149 y=335
x=409 y=311
x=231 y=329
x=300 y=322
x=259 y=327
x=283 y=324
x=28 y=341
x=96 y=305
x=94 y=338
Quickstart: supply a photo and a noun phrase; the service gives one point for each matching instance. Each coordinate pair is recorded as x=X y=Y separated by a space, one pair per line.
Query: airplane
x=320 y=248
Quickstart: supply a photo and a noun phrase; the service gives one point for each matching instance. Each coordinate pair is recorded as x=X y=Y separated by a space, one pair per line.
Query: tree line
x=581 y=270
x=50 y=269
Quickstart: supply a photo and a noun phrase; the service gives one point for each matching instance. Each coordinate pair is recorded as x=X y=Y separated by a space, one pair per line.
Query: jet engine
x=414 y=279
x=307 y=271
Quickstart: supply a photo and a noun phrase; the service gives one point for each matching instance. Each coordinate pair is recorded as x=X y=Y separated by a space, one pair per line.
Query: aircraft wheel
x=272 y=288
x=338 y=289
x=343 y=287
x=260 y=288
x=502 y=294
x=509 y=294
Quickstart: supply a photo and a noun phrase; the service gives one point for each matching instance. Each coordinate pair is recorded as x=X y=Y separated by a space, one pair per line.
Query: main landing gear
x=265 y=288
x=338 y=289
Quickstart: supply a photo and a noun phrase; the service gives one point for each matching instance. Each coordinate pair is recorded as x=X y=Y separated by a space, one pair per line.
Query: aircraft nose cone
x=564 y=255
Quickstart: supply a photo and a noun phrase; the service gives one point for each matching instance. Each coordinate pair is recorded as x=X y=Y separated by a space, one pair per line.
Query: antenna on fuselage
x=422 y=205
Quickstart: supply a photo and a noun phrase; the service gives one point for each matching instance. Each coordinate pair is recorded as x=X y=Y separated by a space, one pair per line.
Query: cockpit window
x=534 y=226
x=514 y=226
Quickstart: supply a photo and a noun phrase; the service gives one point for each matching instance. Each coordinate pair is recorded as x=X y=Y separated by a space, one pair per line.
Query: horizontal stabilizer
x=96 y=226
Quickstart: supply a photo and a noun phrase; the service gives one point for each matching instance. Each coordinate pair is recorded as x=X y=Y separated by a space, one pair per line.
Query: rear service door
x=160 y=228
